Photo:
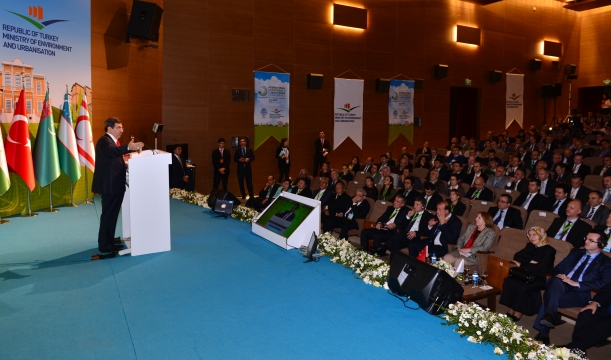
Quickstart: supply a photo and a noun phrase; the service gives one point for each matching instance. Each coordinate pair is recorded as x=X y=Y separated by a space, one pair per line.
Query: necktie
x=221 y=150
x=590 y=214
x=603 y=171
x=298 y=191
x=607 y=197
x=348 y=212
x=556 y=206
x=498 y=217
x=243 y=152
x=495 y=182
x=118 y=143
x=393 y=214
x=573 y=193
x=528 y=199
x=476 y=194
x=319 y=195
x=543 y=185
x=580 y=269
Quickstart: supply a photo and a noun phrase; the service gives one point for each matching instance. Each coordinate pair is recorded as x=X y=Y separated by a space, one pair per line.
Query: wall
x=214 y=46
x=595 y=64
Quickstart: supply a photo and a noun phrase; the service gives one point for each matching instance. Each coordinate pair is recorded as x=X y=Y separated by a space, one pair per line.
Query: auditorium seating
x=478 y=205
x=593 y=182
x=540 y=218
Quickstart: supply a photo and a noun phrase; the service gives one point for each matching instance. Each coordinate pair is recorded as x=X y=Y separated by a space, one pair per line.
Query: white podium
x=146 y=206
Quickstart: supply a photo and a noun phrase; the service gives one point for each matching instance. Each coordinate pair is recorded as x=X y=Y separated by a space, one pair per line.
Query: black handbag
x=525 y=276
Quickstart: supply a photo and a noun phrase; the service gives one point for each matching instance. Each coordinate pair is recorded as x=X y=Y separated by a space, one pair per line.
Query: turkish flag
x=18 y=147
x=423 y=254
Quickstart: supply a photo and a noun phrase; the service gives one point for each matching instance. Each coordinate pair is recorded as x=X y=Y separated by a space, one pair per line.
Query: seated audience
x=302 y=189
x=478 y=237
x=570 y=228
x=266 y=195
x=346 y=175
x=303 y=174
x=387 y=225
x=354 y=164
x=531 y=200
x=323 y=193
x=595 y=210
x=457 y=207
x=504 y=216
x=415 y=226
x=345 y=218
x=325 y=170
x=387 y=192
x=593 y=325
x=479 y=191
x=443 y=229
x=557 y=204
x=371 y=191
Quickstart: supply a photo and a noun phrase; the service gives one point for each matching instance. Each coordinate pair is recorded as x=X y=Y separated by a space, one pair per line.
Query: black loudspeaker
x=417 y=122
x=315 y=81
x=441 y=71
x=216 y=194
x=569 y=69
x=144 y=21
x=418 y=84
x=556 y=90
x=546 y=91
x=535 y=64
x=431 y=288
x=382 y=85
x=495 y=76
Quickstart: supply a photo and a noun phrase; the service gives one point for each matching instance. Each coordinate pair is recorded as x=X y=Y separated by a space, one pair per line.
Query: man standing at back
x=321 y=151
x=244 y=156
x=221 y=159
x=109 y=181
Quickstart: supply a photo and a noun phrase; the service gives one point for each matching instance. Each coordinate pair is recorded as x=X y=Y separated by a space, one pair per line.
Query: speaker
x=418 y=84
x=441 y=71
x=535 y=64
x=382 y=85
x=569 y=69
x=556 y=90
x=216 y=194
x=546 y=91
x=495 y=76
x=144 y=21
x=315 y=81
x=431 y=288
x=417 y=122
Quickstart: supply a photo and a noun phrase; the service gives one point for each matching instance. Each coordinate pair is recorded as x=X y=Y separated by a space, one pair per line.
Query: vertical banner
x=401 y=110
x=514 y=109
x=271 y=106
x=348 y=111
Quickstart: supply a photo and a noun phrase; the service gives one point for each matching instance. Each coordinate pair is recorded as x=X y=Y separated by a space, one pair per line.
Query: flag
x=18 y=146
x=84 y=137
x=5 y=181
x=423 y=254
x=66 y=143
x=46 y=161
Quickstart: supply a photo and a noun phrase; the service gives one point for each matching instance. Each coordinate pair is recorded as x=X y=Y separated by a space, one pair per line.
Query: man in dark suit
x=593 y=324
x=178 y=177
x=518 y=181
x=409 y=192
x=574 y=278
x=431 y=197
x=557 y=204
x=221 y=159
x=570 y=228
x=548 y=186
x=266 y=195
x=606 y=190
x=531 y=164
x=579 y=149
x=479 y=191
x=475 y=173
x=416 y=225
x=578 y=191
x=425 y=149
x=561 y=175
x=504 y=216
x=346 y=220
x=544 y=154
x=323 y=193
x=579 y=167
x=387 y=225
x=303 y=174
x=244 y=157
x=302 y=189
x=444 y=229
x=605 y=168
x=595 y=210
x=109 y=181
x=322 y=148
x=339 y=201
x=531 y=200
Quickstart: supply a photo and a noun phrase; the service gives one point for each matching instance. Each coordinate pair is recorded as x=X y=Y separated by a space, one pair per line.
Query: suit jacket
x=244 y=166
x=421 y=151
x=484 y=241
x=603 y=297
x=177 y=172
x=216 y=160
x=551 y=201
x=400 y=219
x=109 y=176
x=582 y=194
x=584 y=170
x=290 y=217
x=584 y=152
x=536 y=203
x=472 y=175
x=324 y=199
x=521 y=186
x=513 y=217
x=485 y=195
x=550 y=187
x=372 y=192
x=459 y=209
x=459 y=158
x=546 y=156
x=524 y=158
x=599 y=169
x=501 y=183
x=600 y=215
x=339 y=203
x=361 y=210
x=449 y=232
x=282 y=164
x=411 y=196
x=423 y=226
x=576 y=234
x=433 y=201
x=263 y=192
x=565 y=178
x=318 y=149
x=305 y=192
x=595 y=276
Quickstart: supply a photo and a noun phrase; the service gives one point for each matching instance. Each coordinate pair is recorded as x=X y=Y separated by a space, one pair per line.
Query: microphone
x=143 y=143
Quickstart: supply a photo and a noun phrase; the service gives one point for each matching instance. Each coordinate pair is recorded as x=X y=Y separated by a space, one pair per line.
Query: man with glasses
x=504 y=216
x=570 y=228
x=346 y=219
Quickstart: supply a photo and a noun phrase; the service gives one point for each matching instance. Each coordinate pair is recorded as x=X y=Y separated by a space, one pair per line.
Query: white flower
x=518 y=356
x=517 y=337
x=505 y=340
x=563 y=353
x=472 y=339
x=498 y=351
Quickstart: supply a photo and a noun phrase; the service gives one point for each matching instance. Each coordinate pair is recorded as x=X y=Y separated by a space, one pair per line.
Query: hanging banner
x=401 y=110
x=271 y=106
x=348 y=111
x=514 y=110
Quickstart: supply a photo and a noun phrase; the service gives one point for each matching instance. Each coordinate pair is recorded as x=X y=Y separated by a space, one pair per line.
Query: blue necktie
x=580 y=269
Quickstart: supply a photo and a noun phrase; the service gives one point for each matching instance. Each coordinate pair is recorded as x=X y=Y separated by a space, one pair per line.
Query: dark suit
x=576 y=235
x=536 y=203
x=564 y=178
x=433 y=201
x=521 y=186
x=591 y=329
x=266 y=193
x=560 y=294
x=561 y=211
x=582 y=194
x=109 y=181
x=550 y=187
x=458 y=209
x=244 y=169
x=513 y=217
x=448 y=234
x=324 y=199
x=485 y=195
x=305 y=192
x=319 y=159
x=422 y=151
x=339 y=203
x=599 y=216
x=599 y=169
x=284 y=166
x=546 y=156
x=177 y=172
x=411 y=196
x=371 y=192
x=400 y=240
x=358 y=211
x=584 y=170
x=218 y=164
x=380 y=236
x=470 y=178
x=287 y=215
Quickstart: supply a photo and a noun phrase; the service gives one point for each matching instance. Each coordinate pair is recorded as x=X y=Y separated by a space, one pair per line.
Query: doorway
x=464 y=112
x=590 y=98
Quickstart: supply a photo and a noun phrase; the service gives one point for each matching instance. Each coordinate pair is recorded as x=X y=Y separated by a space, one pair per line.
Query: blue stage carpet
x=221 y=292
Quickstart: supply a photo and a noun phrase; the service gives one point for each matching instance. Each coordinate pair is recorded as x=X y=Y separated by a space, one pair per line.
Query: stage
x=221 y=292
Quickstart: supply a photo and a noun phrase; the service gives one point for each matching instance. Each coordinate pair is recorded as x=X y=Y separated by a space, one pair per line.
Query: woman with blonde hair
x=478 y=237
x=537 y=258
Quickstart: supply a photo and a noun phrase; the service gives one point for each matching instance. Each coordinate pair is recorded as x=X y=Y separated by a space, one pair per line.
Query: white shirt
x=416 y=224
x=114 y=138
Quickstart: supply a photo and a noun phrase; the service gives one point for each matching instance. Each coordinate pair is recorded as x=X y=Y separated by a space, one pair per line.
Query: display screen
x=283 y=216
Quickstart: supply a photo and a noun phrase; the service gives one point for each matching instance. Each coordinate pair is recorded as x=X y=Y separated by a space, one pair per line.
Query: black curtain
x=463 y=112
x=590 y=99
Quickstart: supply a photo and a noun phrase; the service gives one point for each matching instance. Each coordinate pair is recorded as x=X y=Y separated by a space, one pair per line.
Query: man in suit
x=178 y=177
x=531 y=164
x=339 y=201
x=456 y=156
x=322 y=194
x=531 y=200
x=548 y=186
x=574 y=278
x=409 y=192
x=605 y=168
x=567 y=157
x=593 y=324
x=606 y=190
x=549 y=143
x=477 y=172
x=595 y=210
x=579 y=167
x=561 y=175
x=303 y=174
x=346 y=220
x=302 y=189
x=109 y=181
x=499 y=180
x=512 y=166
x=606 y=229
x=431 y=197
x=544 y=154
x=244 y=157
x=221 y=159
x=578 y=149
x=504 y=216
x=523 y=154
x=367 y=166
x=461 y=176
x=387 y=225
x=518 y=182
x=321 y=151
x=443 y=229
x=416 y=225
x=570 y=228
x=425 y=149
x=468 y=168
x=557 y=204
x=384 y=163
x=266 y=195
x=579 y=192
x=479 y=191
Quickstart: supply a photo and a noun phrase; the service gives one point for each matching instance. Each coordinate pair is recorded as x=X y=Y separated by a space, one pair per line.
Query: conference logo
x=347 y=108
x=36 y=12
x=276 y=111
x=395 y=114
x=394 y=96
x=514 y=97
x=263 y=112
x=262 y=91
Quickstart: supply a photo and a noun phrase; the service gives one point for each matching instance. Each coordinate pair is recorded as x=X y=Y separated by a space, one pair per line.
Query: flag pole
x=86 y=189
x=51 y=209
x=29 y=213
x=71 y=204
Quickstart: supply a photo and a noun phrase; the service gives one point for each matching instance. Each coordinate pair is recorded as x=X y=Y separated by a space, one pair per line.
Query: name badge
x=558 y=237
x=350 y=216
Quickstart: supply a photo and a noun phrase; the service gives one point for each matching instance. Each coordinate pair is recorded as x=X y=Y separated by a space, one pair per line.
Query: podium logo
x=347 y=108
x=36 y=12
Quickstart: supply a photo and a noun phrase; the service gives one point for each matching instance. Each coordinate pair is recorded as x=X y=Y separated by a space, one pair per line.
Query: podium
x=146 y=205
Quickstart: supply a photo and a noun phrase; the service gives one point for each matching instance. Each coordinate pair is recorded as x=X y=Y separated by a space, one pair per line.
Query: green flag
x=5 y=181
x=66 y=143
x=46 y=161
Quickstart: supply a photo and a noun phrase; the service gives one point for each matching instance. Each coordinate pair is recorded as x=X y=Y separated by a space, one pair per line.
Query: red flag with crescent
x=18 y=147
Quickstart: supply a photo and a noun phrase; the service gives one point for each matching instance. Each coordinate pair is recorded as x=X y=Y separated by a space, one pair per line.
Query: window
x=39 y=106
x=38 y=87
x=28 y=81
x=9 y=104
x=17 y=79
x=28 y=106
x=7 y=79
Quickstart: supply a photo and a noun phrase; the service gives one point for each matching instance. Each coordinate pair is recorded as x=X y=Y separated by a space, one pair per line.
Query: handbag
x=523 y=275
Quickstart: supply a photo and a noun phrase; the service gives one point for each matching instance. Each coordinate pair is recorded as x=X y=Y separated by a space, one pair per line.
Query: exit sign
x=467 y=82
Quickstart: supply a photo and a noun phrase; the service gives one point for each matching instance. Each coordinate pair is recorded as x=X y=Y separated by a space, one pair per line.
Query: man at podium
x=109 y=181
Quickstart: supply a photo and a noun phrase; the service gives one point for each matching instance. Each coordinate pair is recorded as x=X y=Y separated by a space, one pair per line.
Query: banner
x=271 y=106
x=401 y=110
x=348 y=111
x=514 y=110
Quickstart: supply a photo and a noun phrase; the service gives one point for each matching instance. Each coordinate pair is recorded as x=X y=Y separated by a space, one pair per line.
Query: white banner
x=348 y=111
x=514 y=98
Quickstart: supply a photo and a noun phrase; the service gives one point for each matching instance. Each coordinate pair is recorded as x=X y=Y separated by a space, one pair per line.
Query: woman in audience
x=325 y=170
x=423 y=162
x=605 y=105
x=454 y=185
x=375 y=175
x=477 y=237
x=346 y=175
x=286 y=186
x=370 y=188
x=537 y=257
x=457 y=207
x=405 y=174
x=355 y=164
x=388 y=192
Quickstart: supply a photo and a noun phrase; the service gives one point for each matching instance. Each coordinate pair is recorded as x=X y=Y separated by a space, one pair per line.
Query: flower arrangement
x=239 y=212
x=485 y=326
x=445 y=266
x=370 y=269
